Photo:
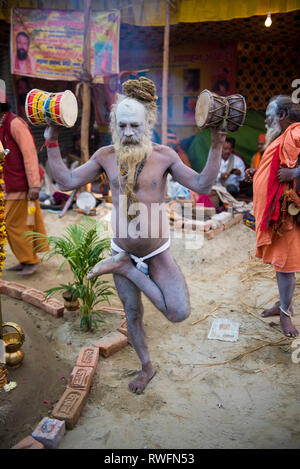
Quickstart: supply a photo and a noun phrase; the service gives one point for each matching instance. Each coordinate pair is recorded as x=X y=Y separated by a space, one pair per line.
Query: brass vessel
x=13 y=342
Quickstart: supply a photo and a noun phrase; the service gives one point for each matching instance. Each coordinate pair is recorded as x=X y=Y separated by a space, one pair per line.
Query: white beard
x=272 y=133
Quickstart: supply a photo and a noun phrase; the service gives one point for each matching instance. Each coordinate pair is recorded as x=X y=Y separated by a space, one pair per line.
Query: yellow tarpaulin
x=152 y=12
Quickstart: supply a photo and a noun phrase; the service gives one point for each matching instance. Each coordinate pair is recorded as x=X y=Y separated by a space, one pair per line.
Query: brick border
x=50 y=431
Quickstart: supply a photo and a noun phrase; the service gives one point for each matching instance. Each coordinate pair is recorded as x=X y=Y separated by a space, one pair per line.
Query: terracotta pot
x=69 y=304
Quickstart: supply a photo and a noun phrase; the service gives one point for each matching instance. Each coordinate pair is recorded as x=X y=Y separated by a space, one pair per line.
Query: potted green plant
x=81 y=248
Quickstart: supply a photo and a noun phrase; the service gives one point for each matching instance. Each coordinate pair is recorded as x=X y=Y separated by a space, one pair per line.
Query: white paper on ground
x=224 y=329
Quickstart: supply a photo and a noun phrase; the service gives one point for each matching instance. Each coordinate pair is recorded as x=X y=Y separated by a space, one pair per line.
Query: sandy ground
x=252 y=402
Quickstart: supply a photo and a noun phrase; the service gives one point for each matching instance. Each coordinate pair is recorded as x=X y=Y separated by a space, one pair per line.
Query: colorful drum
x=61 y=108
x=236 y=113
x=210 y=109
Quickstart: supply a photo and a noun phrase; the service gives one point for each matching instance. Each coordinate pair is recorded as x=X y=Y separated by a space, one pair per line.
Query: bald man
x=137 y=171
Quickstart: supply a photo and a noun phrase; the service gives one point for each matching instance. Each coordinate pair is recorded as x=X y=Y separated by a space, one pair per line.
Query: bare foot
x=15 y=268
x=274 y=311
x=139 y=383
x=287 y=326
x=114 y=264
x=29 y=269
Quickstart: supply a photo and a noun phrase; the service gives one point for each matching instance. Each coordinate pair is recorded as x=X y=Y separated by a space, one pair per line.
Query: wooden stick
x=86 y=90
x=164 y=120
x=206 y=315
x=241 y=355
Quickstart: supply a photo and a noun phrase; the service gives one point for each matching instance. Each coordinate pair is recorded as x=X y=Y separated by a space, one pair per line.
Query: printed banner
x=49 y=43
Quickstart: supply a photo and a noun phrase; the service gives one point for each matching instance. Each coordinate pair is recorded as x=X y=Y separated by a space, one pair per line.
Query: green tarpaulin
x=245 y=140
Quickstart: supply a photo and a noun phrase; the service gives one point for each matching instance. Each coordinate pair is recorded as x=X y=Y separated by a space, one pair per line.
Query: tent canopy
x=152 y=12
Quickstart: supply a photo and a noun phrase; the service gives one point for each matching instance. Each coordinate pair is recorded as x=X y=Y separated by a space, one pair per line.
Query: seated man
x=256 y=159
x=232 y=169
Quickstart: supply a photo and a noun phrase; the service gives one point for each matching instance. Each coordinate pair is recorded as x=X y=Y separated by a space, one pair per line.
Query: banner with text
x=49 y=43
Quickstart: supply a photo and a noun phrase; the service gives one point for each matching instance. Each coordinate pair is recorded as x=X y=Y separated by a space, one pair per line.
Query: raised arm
x=200 y=183
x=65 y=178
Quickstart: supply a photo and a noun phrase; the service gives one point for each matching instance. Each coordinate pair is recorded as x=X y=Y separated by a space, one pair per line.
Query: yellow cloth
x=281 y=251
x=152 y=13
x=15 y=220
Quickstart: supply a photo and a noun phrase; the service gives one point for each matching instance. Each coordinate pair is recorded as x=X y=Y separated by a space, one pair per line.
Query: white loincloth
x=140 y=264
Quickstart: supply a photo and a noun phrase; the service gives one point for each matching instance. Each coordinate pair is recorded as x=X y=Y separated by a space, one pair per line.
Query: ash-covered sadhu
x=137 y=170
x=276 y=186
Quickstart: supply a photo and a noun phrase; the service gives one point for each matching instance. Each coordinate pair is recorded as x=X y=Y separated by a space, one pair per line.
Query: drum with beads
x=210 y=109
x=61 y=108
x=236 y=112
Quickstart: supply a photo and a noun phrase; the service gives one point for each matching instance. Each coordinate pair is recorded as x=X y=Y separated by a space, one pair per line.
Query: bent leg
x=166 y=274
x=130 y=296
x=165 y=286
x=286 y=287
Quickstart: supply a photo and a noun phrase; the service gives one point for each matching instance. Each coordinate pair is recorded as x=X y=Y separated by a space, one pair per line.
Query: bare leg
x=274 y=311
x=131 y=299
x=122 y=264
x=286 y=287
x=165 y=287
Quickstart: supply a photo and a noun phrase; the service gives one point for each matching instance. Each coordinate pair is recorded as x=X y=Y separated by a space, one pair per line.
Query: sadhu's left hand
x=286 y=174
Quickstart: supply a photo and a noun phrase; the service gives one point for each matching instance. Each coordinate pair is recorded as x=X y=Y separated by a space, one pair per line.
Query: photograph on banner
x=191 y=80
x=189 y=104
x=49 y=43
x=221 y=81
x=105 y=34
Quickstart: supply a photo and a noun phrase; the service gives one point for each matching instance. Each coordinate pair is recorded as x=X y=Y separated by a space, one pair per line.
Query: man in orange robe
x=256 y=159
x=279 y=243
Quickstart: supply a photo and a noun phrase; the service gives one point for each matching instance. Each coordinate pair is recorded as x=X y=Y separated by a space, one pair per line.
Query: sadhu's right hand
x=249 y=174
x=52 y=130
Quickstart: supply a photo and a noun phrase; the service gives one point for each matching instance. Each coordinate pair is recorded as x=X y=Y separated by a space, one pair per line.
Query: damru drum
x=217 y=111
x=61 y=108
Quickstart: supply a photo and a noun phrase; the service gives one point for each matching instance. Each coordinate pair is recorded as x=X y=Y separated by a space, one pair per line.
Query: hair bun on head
x=142 y=90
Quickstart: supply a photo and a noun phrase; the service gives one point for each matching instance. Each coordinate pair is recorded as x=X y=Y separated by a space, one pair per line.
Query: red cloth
x=274 y=192
x=205 y=200
x=14 y=169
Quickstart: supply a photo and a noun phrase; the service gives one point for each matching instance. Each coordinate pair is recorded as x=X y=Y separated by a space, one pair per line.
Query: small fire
x=89 y=187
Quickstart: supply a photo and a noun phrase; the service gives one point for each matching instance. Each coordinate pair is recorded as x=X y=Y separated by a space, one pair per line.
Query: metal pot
x=13 y=342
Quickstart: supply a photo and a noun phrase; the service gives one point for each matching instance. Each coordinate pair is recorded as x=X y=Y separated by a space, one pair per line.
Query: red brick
x=111 y=343
x=37 y=298
x=69 y=406
x=88 y=356
x=123 y=324
x=49 y=432
x=123 y=331
x=33 y=296
x=81 y=377
x=53 y=307
x=13 y=289
x=123 y=328
x=2 y=284
x=29 y=443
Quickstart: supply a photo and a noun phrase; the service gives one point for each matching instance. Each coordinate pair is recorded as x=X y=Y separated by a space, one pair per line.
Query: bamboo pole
x=164 y=120
x=86 y=90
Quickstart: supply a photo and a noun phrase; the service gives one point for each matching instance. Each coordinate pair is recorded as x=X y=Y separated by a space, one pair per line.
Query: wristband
x=51 y=144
